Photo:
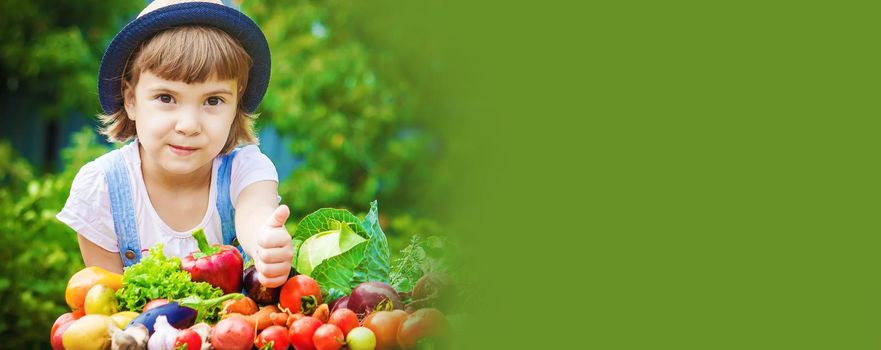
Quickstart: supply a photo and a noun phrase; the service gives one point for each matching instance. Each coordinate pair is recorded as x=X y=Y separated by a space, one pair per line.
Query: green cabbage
x=339 y=251
x=327 y=244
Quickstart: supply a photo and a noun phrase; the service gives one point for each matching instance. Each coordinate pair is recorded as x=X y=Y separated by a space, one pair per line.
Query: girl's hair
x=191 y=54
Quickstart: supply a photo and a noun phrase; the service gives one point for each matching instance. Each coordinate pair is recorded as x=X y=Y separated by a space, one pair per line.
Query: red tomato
x=154 y=303
x=301 y=332
x=189 y=338
x=61 y=324
x=329 y=337
x=424 y=323
x=275 y=335
x=345 y=319
x=384 y=325
x=300 y=294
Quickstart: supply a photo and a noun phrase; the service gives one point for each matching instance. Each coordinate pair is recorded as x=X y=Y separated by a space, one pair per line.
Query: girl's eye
x=165 y=98
x=214 y=101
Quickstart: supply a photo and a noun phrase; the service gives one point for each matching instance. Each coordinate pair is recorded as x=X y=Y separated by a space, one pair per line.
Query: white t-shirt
x=87 y=210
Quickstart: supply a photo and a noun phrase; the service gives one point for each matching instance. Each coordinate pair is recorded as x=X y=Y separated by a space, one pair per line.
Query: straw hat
x=164 y=14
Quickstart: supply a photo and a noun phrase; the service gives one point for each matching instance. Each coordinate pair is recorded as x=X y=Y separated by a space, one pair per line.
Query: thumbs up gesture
x=274 y=250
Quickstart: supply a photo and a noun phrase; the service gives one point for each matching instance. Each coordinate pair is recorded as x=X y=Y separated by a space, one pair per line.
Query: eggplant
x=178 y=316
x=182 y=313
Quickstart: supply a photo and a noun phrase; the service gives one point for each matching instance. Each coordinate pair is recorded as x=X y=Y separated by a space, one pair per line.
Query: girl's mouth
x=182 y=151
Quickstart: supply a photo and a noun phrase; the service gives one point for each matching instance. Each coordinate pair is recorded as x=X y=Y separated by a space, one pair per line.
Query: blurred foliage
x=51 y=50
x=49 y=57
x=349 y=110
x=39 y=253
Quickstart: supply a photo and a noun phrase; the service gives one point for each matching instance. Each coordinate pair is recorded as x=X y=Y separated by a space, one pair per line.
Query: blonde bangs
x=194 y=54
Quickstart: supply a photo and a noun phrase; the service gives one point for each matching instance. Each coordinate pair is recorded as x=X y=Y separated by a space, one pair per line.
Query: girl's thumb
x=279 y=216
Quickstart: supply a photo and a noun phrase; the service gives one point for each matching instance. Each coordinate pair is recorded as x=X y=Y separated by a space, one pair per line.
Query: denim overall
x=123 y=211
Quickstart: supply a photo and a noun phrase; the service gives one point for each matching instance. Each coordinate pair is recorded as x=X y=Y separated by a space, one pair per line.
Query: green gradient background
x=664 y=174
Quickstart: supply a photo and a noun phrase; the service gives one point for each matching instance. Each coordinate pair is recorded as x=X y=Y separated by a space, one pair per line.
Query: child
x=180 y=81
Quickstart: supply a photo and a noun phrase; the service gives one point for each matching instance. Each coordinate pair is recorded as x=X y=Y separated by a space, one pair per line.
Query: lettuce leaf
x=157 y=276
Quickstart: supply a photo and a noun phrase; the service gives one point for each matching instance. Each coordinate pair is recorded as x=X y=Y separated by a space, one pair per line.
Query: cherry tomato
x=300 y=294
x=329 y=337
x=384 y=325
x=188 y=337
x=293 y=318
x=301 y=332
x=275 y=335
x=361 y=338
x=345 y=319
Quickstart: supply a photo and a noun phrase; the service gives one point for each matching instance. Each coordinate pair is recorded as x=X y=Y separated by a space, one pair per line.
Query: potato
x=123 y=318
x=90 y=332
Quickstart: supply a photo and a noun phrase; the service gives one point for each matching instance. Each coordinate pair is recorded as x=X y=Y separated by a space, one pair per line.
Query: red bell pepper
x=219 y=265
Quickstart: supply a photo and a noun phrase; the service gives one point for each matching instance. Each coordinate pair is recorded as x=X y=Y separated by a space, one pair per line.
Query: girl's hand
x=274 y=250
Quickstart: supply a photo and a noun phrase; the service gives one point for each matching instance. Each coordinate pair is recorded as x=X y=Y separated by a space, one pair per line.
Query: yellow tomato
x=80 y=283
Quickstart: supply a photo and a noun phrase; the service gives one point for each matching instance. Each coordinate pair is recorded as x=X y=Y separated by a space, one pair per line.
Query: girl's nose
x=188 y=123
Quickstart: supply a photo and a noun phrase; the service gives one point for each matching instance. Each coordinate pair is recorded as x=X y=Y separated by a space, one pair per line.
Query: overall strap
x=121 y=208
x=224 y=203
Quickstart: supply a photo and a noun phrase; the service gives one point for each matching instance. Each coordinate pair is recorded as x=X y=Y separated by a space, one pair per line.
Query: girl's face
x=182 y=127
